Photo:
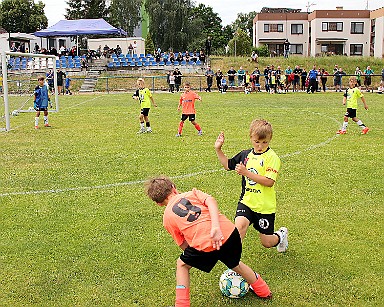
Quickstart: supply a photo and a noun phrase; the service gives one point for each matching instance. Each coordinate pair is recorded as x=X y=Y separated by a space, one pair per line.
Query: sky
x=228 y=9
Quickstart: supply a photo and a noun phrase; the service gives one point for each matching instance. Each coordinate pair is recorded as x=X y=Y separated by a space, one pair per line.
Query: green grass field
x=77 y=230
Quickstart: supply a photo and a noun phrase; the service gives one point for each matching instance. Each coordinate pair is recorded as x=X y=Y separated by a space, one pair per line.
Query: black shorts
x=59 y=82
x=296 y=81
x=229 y=254
x=145 y=111
x=191 y=117
x=367 y=81
x=41 y=109
x=350 y=113
x=263 y=223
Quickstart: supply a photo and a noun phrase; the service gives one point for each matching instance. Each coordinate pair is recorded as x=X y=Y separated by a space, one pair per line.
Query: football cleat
x=341 y=132
x=365 y=130
x=283 y=244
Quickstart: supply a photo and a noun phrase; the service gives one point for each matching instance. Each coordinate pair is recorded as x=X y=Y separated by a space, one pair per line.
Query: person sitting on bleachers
x=194 y=57
x=171 y=57
x=157 y=56
x=179 y=57
x=118 y=50
x=202 y=57
x=187 y=56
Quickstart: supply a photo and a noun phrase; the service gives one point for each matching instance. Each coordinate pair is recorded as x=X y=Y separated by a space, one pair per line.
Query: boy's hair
x=40 y=78
x=261 y=128
x=187 y=84
x=159 y=188
x=353 y=78
x=140 y=80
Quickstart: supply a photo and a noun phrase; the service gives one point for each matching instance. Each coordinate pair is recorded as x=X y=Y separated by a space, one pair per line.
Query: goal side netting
x=20 y=72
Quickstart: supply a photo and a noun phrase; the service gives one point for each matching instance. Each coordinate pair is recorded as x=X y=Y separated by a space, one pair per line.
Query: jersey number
x=184 y=208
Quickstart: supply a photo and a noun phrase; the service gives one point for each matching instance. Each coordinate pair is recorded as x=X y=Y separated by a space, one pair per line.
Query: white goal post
x=5 y=62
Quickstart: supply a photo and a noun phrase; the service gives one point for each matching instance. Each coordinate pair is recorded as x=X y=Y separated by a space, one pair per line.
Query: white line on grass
x=118 y=184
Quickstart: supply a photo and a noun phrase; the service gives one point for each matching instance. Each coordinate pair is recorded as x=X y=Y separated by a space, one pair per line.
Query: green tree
x=125 y=14
x=207 y=23
x=149 y=46
x=240 y=44
x=86 y=9
x=22 y=16
x=244 y=22
x=169 y=23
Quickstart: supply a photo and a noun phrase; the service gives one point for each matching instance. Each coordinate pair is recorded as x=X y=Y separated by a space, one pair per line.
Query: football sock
x=142 y=125
x=181 y=124
x=278 y=242
x=260 y=287
x=182 y=297
x=45 y=120
x=148 y=124
x=36 y=121
x=197 y=126
x=345 y=125
x=360 y=123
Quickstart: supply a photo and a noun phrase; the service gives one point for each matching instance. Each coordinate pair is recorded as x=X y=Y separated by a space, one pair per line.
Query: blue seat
x=183 y=63
x=77 y=64
x=110 y=65
x=168 y=63
x=176 y=63
x=161 y=63
x=198 y=62
x=139 y=64
x=132 y=64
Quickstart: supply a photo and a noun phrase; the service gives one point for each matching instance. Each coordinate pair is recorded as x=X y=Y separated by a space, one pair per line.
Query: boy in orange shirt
x=187 y=102
x=203 y=233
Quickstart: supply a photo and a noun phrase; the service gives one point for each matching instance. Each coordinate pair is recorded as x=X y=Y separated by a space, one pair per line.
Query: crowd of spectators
x=278 y=80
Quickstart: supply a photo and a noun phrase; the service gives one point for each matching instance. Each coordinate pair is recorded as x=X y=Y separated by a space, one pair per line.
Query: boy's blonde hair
x=159 y=188
x=260 y=128
x=141 y=80
x=353 y=79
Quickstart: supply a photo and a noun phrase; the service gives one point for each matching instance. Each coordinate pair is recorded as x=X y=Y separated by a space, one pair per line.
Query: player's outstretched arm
x=220 y=154
x=153 y=102
x=365 y=103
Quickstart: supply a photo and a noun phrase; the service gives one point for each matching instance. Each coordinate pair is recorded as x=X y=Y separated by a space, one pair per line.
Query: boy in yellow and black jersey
x=259 y=167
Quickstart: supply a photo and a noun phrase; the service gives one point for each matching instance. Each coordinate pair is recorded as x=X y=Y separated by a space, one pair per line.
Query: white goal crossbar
x=5 y=80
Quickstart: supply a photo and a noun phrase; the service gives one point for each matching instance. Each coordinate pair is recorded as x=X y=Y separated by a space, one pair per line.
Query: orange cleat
x=365 y=130
x=341 y=132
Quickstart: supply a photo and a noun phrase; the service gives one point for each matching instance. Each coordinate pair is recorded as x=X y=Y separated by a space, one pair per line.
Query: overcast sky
x=228 y=9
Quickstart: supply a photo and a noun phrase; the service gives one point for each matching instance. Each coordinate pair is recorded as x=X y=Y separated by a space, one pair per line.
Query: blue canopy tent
x=80 y=27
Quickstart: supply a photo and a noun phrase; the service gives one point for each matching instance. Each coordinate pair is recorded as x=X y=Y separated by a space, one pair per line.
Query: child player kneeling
x=351 y=95
x=203 y=233
x=40 y=102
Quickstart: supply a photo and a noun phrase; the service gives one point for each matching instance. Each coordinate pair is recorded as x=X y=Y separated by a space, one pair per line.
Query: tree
x=22 y=16
x=208 y=23
x=241 y=42
x=149 y=46
x=125 y=14
x=244 y=22
x=86 y=9
x=169 y=23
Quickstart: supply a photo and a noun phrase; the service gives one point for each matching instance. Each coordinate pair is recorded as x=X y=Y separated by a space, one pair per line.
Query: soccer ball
x=233 y=285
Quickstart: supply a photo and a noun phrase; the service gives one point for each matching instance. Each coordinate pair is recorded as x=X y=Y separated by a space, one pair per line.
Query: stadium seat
x=132 y=64
x=161 y=63
x=198 y=62
x=176 y=63
x=110 y=65
x=183 y=63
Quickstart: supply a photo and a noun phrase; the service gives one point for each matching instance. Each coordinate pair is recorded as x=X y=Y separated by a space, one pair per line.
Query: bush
x=261 y=51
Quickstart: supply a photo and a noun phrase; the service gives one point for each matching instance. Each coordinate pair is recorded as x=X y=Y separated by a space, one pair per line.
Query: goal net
x=20 y=72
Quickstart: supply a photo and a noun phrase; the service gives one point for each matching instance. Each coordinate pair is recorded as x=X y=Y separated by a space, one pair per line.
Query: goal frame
x=4 y=68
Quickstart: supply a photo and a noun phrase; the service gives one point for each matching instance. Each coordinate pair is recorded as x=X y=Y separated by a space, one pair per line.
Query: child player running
x=187 y=102
x=144 y=95
x=351 y=95
x=258 y=167
x=203 y=233
x=40 y=102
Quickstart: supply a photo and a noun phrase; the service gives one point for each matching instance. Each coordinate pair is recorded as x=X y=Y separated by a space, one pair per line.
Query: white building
x=339 y=32
x=377 y=33
x=348 y=32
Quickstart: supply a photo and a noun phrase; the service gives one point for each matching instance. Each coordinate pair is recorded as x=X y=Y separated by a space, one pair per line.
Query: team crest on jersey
x=262 y=162
x=251 y=182
x=263 y=223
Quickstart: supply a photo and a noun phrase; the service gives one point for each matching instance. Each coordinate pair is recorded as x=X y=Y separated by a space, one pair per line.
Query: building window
x=273 y=27
x=296 y=49
x=332 y=26
x=357 y=27
x=356 y=49
x=297 y=29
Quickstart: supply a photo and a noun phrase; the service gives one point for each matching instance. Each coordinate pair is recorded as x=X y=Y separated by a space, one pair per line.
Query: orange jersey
x=187 y=218
x=187 y=101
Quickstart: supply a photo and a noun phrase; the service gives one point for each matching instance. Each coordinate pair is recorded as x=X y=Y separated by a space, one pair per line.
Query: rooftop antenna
x=366 y=6
x=309 y=4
